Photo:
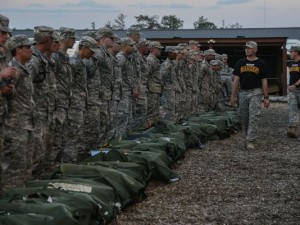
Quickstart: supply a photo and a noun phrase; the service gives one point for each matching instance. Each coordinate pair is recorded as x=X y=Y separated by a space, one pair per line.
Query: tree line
x=168 y=22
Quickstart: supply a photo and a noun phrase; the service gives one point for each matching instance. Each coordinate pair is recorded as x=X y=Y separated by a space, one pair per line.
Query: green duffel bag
x=157 y=162
x=104 y=195
x=26 y=219
x=129 y=189
x=134 y=170
x=57 y=213
x=85 y=208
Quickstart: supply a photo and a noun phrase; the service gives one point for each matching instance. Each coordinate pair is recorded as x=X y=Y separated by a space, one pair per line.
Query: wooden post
x=284 y=71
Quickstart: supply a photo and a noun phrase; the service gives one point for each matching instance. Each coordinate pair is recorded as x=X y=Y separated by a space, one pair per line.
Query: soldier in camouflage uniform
x=39 y=69
x=63 y=77
x=294 y=92
x=117 y=90
x=78 y=99
x=51 y=96
x=219 y=103
x=226 y=74
x=250 y=74
x=154 y=82
x=18 y=136
x=141 y=102
x=193 y=82
x=6 y=72
x=194 y=45
x=170 y=84
x=105 y=38
x=130 y=88
x=206 y=82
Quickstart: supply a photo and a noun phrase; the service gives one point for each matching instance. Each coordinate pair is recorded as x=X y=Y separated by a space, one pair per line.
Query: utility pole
x=223 y=22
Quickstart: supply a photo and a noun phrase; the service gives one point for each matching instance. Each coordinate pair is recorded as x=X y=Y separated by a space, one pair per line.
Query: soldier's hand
x=7 y=90
x=233 y=101
x=8 y=72
x=292 y=88
x=266 y=103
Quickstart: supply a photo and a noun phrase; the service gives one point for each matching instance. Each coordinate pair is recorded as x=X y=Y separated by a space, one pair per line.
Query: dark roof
x=286 y=32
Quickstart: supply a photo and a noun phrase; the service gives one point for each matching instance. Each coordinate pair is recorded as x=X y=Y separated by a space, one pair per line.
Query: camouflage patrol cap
x=90 y=33
x=184 y=45
x=193 y=42
x=88 y=42
x=192 y=54
x=216 y=63
x=4 y=22
x=224 y=56
x=133 y=30
x=126 y=41
x=66 y=33
x=251 y=44
x=209 y=52
x=142 y=42
x=42 y=32
x=19 y=40
x=56 y=36
x=155 y=44
x=218 y=57
x=295 y=49
x=171 y=49
x=180 y=49
x=104 y=32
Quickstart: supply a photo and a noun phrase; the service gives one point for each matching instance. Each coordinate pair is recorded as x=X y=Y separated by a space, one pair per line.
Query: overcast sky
x=80 y=13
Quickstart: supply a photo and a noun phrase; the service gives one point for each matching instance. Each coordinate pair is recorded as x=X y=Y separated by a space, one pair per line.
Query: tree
x=171 y=22
x=119 y=23
x=147 y=22
x=234 y=26
x=108 y=25
x=203 y=23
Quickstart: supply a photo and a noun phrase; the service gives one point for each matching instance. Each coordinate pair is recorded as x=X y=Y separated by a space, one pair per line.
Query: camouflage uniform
x=181 y=75
x=129 y=83
x=63 y=78
x=92 y=122
x=293 y=107
x=18 y=138
x=170 y=85
x=78 y=99
x=39 y=70
x=154 y=89
x=205 y=86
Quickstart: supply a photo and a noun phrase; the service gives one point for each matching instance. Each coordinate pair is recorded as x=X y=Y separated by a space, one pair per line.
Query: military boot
x=292 y=132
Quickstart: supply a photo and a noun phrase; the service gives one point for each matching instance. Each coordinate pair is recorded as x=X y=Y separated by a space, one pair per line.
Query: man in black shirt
x=294 y=91
x=251 y=77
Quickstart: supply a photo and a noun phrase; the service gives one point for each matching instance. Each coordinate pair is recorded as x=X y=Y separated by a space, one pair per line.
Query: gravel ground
x=224 y=184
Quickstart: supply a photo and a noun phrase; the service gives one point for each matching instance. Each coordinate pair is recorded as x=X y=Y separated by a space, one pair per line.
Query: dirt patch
x=224 y=184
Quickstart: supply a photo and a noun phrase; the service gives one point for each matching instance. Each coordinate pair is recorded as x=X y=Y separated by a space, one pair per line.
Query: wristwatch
x=266 y=97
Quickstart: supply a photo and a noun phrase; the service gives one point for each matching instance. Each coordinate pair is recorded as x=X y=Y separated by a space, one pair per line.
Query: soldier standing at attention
x=39 y=70
x=78 y=88
x=251 y=75
x=63 y=77
x=194 y=45
x=154 y=82
x=18 y=144
x=170 y=84
x=6 y=73
x=129 y=88
x=294 y=92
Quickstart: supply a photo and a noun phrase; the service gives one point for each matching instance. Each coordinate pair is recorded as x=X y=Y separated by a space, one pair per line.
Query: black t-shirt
x=251 y=73
x=294 y=69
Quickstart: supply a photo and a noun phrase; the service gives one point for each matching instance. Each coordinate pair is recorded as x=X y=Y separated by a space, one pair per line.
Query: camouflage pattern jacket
x=155 y=79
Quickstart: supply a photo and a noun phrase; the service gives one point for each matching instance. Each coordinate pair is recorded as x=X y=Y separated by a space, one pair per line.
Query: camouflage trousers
x=16 y=163
x=178 y=106
x=124 y=116
x=153 y=104
x=40 y=134
x=293 y=108
x=249 y=107
x=56 y=136
x=195 y=95
x=91 y=128
x=188 y=112
x=139 y=110
x=168 y=104
x=74 y=135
